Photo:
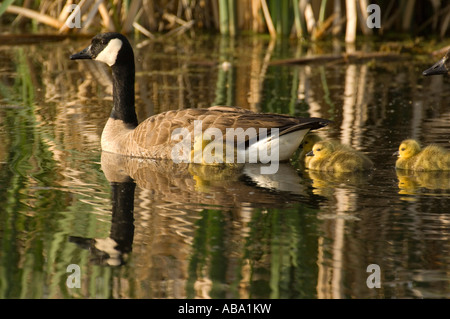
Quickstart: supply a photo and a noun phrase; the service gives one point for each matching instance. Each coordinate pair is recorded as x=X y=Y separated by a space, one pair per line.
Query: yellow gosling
x=306 y=146
x=308 y=143
x=327 y=157
x=412 y=157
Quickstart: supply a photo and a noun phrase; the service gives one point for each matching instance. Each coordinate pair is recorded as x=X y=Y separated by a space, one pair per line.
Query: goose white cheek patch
x=109 y=53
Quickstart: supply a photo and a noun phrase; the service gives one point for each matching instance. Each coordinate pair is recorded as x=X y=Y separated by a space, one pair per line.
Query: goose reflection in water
x=114 y=249
x=184 y=187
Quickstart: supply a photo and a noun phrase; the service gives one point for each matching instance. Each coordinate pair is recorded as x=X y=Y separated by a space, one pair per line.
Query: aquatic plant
x=305 y=19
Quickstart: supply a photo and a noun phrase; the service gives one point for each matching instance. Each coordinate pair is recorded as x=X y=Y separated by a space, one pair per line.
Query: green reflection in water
x=280 y=250
x=38 y=213
x=285 y=240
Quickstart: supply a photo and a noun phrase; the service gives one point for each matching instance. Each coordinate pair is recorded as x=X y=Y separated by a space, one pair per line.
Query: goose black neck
x=123 y=94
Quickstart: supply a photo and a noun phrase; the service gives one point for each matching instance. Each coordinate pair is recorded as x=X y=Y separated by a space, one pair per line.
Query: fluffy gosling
x=327 y=157
x=306 y=146
x=308 y=143
x=412 y=157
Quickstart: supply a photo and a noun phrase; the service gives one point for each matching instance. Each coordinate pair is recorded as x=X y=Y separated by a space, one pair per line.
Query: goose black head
x=440 y=67
x=111 y=48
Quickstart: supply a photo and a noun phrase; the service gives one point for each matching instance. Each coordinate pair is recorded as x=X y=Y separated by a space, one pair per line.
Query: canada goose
x=412 y=157
x=440 y=67
x=326 y=157
x=153 y=138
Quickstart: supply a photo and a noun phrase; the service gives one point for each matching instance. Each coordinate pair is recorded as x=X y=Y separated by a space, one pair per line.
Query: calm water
x=153 y=229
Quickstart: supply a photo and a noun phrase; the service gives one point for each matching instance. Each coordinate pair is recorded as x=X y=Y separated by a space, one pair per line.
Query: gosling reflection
x=324 y=183
x=413 y=182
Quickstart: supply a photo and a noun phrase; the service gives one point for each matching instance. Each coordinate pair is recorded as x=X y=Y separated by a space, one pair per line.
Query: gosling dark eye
x=318 y=150
x=402 y=149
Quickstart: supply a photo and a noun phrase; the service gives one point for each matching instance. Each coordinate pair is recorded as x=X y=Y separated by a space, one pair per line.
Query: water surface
x=154 y=229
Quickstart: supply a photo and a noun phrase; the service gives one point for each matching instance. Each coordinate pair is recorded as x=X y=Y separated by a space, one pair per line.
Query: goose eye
x=402 y=149
x=318 y=149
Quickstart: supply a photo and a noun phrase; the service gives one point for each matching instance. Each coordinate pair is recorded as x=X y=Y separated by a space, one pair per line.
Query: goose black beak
x=437 y=68
x=310 y=153
x=84 y=54
x=396 y=153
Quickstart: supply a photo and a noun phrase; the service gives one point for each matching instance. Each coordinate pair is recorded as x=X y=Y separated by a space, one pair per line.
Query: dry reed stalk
x=257 y=23
x=149 y=12
x=389 y=18
x=270 y=27
x=250 y=14
x=215 y=12
x=19 y=19
x=445 y=22
x=131 y=15
x=337 y=23
x=184 y=25
x=408 y=15
x=362 y=10
x=65 y=11
x=143 y=30
x=435 y=18
x=106 y=18
x=242 y=9
x=309 y=18
x=350 y=32
x=43 y=18
x=80 y=9
x=187 y=9
x=320 y=32
x=91 y=15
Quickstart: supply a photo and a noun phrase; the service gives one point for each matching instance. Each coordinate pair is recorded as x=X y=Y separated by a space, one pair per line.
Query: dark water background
x=152 y=229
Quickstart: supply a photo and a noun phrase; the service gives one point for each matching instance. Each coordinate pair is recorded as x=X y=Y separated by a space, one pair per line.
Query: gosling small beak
x=396 y=153
x=437 y=68
x=310 y=153
x=84 y=54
